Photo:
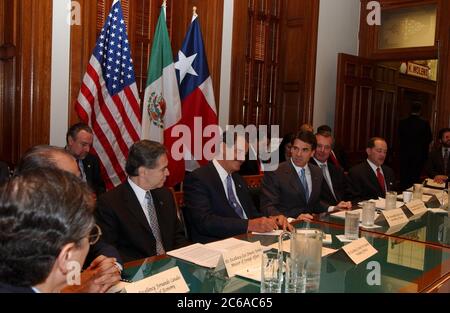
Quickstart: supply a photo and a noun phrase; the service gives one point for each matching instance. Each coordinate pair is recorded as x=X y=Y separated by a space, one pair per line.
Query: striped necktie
x=154 y=225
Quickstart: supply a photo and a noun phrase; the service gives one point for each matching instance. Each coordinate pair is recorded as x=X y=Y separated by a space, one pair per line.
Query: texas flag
x=197 y=95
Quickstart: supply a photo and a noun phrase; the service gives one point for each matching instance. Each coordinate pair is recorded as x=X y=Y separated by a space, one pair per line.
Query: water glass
x=368 y=213
x=391 y=200
x=271 y=272
x=407 y=196
x=295 y=281
x=417 y=191
x=352 y=225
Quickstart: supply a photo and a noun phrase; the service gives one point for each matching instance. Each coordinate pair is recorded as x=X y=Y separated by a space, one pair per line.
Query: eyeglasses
x=94 y=235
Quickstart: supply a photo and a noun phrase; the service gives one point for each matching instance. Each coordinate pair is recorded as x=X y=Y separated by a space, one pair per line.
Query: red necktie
x=334 y=160
x=380 y=178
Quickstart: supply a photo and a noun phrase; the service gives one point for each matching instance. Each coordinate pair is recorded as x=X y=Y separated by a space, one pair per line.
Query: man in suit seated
x=218 y=203
x=103 y=263
x=335 y=184
x=4 y=172
x=139 y=216
x=371 y=178
x=438 y=165
x=79 y=139
x=45 y=231
x=337 y=155
x=294 y=188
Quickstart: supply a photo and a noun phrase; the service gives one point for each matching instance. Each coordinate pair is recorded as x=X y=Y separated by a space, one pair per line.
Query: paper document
x=207 y=255
x=270 y=233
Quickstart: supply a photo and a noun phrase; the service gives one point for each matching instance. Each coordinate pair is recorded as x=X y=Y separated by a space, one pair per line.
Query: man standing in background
x=414 y=137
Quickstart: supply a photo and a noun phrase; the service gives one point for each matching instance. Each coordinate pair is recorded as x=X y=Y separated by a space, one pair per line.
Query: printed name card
x=242 y=259
x=359 y=250
x=416 y=207
x=395 y=217
x=170 y=281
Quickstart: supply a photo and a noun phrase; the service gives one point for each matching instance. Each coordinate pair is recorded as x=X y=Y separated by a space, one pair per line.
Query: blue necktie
x=304 y=183
x=232 y=198
x=154 y=225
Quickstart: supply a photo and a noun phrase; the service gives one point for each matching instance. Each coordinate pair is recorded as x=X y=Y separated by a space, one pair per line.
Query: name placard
x=243 y=258
x=359 y=250
x=170 y=281
x=416 y=207
x=394 y=217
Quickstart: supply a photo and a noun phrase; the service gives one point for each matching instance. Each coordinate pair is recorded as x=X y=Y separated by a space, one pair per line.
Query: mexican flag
x=162 y=105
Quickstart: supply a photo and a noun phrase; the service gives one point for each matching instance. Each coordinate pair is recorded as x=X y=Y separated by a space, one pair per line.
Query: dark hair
x=416 y=106
x=324 y=128
x=324 y=133
x=371 y=142
x=75 y=129
x=143 y=153
x=287 y=139
x=236 y=134
x=306 y=136
x=41 y=211
x=442 y=132
x=42 y=156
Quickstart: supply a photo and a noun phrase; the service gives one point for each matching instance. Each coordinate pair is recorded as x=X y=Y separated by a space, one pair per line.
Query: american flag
x=109 y=99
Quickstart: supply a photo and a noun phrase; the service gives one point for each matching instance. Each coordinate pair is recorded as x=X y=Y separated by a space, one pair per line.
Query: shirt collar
x=373 y=166
x=320 y=163
x=298 y=168
x=222 y=173
x=139 y=192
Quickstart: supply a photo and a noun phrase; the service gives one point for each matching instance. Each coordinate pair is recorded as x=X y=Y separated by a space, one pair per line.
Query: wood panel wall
x=25 y=75
x=286 y=98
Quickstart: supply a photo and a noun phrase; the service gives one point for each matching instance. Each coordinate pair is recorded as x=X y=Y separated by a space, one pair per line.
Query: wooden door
x=366 y=103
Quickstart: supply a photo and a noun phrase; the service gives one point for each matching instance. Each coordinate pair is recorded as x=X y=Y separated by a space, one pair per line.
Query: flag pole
x=164 y=6
x=194 y=13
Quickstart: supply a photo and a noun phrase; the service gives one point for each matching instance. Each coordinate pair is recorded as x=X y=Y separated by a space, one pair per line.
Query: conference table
x=407 y=263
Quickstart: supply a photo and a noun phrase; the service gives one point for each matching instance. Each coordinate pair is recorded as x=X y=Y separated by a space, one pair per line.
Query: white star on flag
x=184 y=65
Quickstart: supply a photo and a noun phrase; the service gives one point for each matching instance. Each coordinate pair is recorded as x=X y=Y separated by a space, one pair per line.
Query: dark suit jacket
x=94 y=179
x=4 y=172
x=124 y=225
x=282 y=192
x=340 y=186
x=364 y=184
x=414 y=137
x=5 y=288
x=208 y=214
x=435 y=164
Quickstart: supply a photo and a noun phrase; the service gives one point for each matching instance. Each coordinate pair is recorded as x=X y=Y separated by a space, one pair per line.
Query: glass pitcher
x=304 y=262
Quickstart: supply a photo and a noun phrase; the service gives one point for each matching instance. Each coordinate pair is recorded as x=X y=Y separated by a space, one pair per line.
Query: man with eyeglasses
x=372 y=178
x=103 y=263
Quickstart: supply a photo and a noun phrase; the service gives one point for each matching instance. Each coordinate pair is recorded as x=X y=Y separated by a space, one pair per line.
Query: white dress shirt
x=374 y=168
x=223 y=178
x=307 y=174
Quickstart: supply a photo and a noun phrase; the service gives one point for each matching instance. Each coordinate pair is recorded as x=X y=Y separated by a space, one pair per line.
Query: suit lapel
x=217 y=182
x=373 y=178
x=294 y=180
x=316 y=181
x=332 y=169
x=135 y=207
